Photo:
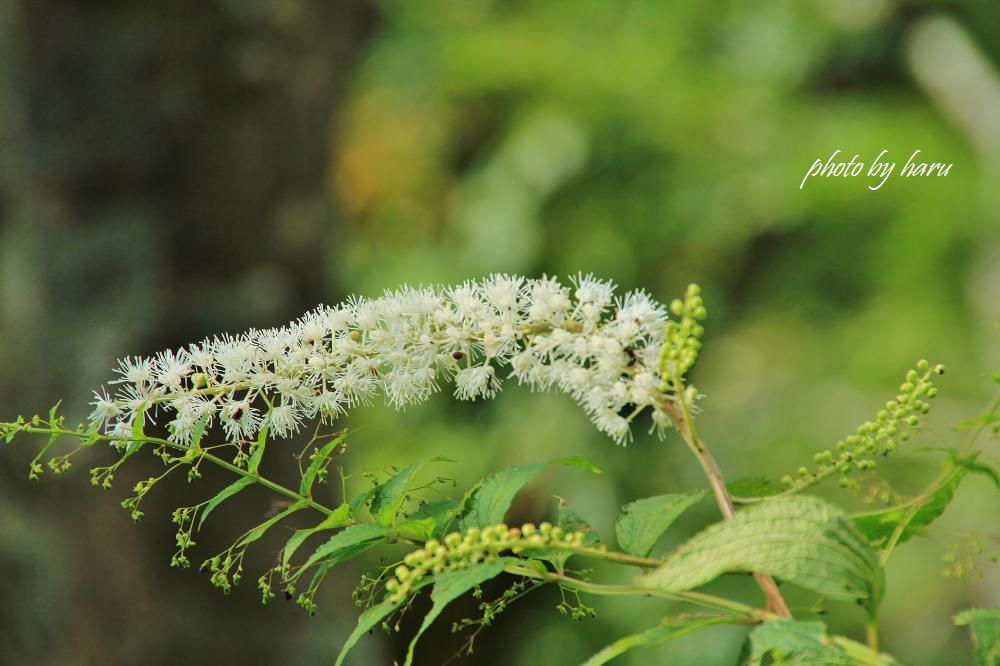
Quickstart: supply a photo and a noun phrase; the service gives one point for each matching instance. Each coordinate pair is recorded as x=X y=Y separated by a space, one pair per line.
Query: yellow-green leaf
x=800 y=539
x=642 y=522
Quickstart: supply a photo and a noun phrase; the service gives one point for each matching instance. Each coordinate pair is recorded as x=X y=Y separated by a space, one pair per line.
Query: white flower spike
x=405 y=345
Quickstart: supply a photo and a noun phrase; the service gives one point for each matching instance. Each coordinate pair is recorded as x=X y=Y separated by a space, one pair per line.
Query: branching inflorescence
x=615 y=356
x=578 y=339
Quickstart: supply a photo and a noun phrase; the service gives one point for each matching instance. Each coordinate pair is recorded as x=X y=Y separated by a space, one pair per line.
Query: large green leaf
x=257 y=532
x=984 y=625
x=487 y=503
x=224 y=494
x=450 y=585
x=344 y=545
x=430 y=519
x=341 y=516
x=491 y=499
x=796 y=643
x=669 y=628
x=389 y=496
x=370 y=618
x=800 y=539
x=916 y=514
x=642 y=522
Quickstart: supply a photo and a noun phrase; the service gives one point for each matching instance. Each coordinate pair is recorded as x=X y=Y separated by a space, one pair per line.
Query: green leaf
x=438 y=510
x=258 y=531
x=984 y=626
x=794 y=642
x=319 y=458
x=450 y=585
x=389 y=496
x=224 y=494
x=361 y=499
x=420 y=529
x=801 y=539
x=879 y=526
x=578 y=462
x=489 y=503
x=198 y=433
x=257 y=453
x=341 y=516
x=753 y=486
x=996 y=377
x=370 y=618
x=669 y=628
x=642 y=522
x=344 y=545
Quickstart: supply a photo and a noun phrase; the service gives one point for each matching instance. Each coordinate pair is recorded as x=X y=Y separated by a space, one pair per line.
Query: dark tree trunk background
x=162 y=174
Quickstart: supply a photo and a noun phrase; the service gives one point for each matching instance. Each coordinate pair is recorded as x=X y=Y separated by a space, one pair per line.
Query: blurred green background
x=173 y=170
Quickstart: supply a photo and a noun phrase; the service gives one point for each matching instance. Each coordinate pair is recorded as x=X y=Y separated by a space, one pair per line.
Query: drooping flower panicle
x=405 y=345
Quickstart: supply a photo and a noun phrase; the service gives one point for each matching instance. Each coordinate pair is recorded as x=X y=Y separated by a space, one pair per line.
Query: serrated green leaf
x=257 y=452
x=879 y=526
x=439 y=510
x=669 y=628
x=489 y=503
x=578 y=462
x=344 y=545
x=224 y=494
x=419 y=529
x=389 y=496
x=341 y=516
x=309 y=476
x=450 y=585
x=257 y=532
x=984 y=627
x=800 y=539
x=361 y=499
x=199 y=432
x=794 y=642
x=370 y=618
x=642 y=522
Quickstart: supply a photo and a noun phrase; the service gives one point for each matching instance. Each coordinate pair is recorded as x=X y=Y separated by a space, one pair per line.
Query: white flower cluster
x=579 y=339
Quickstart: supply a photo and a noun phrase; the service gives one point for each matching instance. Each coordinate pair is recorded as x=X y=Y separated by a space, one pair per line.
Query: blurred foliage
x=170 y=173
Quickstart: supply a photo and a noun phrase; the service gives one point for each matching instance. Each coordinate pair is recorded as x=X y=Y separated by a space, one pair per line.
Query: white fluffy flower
x=405 y=345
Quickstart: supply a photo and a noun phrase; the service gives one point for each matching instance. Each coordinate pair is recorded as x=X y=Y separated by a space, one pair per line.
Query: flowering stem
x=685 y=426
x=224 y=464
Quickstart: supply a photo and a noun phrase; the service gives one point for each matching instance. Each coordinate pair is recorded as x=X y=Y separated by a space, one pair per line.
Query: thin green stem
x=871 y=633
x=224 y=464
x=684 y=424
x=611 y=556
x=697 y=598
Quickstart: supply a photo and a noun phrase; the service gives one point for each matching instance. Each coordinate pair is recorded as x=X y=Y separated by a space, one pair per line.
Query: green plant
x=618 y=359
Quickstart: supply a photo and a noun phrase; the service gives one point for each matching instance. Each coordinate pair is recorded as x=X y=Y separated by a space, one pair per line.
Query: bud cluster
x=457 y=551
x=892 y=425
x=682 y=338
